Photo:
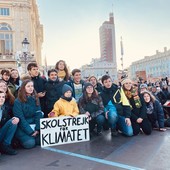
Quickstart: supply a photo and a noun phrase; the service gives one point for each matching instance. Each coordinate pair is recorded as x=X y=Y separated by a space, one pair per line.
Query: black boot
x=114 y=132
x=7 y=149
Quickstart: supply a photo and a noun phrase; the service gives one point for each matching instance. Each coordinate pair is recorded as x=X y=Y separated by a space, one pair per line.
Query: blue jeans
x=27 y=141
x=112 y=116
x=122 y=126
x=7 y=132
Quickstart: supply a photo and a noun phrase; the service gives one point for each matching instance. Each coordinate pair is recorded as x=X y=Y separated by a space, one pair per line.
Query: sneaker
x=114 y=132
x=7 y=149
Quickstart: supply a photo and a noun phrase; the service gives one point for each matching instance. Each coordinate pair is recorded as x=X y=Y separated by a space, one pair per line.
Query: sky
x=71 y=29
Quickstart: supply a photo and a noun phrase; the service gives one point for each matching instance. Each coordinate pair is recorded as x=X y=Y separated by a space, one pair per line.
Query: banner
x=64 y=130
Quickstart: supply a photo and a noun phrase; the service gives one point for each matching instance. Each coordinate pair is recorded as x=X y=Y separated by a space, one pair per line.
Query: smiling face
x=89 y=89
x=128 y=85
x=29 y=88
x=3 y=86
x=147 y=97
x=68 y=94
x=77 y=77
x=34 y=71
x=107 y=83
x=93 y=81
x=14 y=74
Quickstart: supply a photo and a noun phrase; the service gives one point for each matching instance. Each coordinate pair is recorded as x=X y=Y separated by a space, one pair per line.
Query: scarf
x=149 y=108
x=66 y=98
x=61 y=74
x=133 y=93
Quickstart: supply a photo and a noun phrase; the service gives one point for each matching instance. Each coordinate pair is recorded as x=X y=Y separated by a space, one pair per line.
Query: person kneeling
x=8 y=127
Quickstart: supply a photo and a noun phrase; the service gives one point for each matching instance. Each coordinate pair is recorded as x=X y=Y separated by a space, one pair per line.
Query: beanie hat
x=125 y=80
x=66 y=88
x=143 y=86
x=86 y=85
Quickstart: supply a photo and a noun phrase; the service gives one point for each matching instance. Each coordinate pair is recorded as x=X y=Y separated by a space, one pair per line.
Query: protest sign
x=64 y=130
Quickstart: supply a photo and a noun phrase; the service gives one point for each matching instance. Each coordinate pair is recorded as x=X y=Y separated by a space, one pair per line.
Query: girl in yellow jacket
x=66 y=105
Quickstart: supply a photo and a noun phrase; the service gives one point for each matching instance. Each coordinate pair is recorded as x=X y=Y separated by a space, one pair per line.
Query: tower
x=107 y=41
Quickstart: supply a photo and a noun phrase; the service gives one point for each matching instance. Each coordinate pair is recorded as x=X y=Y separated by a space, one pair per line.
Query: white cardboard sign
x=64 y=130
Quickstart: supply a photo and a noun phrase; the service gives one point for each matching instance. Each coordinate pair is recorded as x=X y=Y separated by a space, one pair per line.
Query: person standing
x=39 y=83
x=53 y=89
x=76 y=84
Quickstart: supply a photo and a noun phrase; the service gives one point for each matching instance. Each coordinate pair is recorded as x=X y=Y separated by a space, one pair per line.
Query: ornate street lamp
x=25 y=56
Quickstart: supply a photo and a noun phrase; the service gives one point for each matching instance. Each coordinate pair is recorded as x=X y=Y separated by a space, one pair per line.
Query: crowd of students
x=126 y=108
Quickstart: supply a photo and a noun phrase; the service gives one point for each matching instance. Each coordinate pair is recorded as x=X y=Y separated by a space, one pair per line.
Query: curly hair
x=65 y=69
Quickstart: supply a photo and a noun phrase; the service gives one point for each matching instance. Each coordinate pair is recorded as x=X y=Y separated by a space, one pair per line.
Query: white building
x=19 y=19
x=155 y=66
x=98 y=68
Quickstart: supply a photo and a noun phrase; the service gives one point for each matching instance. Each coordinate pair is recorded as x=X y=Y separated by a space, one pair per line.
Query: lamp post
x=25 y=56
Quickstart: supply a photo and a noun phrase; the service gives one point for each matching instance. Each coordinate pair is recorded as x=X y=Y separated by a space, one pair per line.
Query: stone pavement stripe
x=102 y=161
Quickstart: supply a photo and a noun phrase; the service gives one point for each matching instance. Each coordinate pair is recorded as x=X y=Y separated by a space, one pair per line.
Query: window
x=4 y=11
x=6 y=39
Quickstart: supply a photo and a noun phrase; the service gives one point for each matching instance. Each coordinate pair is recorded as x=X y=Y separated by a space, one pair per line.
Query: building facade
x=19 y=19
x=106 y=64
x=155 y=67
x=99 y=68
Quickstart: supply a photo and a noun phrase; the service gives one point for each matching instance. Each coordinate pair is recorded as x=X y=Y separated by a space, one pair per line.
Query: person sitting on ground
x=27 y=109
x=8 y=127
x=154 y=111
x=117 y=108
x=91 y=104
x=138 y=108
x=96 y=84
x=66 y=105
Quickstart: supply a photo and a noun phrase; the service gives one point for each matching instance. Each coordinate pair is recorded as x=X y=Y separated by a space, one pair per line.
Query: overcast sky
x=71 y=28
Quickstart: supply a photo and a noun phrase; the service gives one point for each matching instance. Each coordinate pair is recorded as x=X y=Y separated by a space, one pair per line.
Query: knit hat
x=66 y=88
x=125 y=80
x=143 y=86
x=86 y=85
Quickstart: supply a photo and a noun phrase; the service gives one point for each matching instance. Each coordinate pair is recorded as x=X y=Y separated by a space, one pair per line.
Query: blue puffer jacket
x=28 y=113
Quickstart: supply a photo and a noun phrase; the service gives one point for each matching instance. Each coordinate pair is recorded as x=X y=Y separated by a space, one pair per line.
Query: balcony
x=7 y=57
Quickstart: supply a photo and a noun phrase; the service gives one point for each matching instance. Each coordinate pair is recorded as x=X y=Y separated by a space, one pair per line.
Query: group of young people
x=125 y=109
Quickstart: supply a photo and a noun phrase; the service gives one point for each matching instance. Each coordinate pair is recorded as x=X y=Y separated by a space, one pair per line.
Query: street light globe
x=25 y=44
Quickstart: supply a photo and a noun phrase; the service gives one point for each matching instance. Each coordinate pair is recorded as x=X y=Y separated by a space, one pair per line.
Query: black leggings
x=145 y=126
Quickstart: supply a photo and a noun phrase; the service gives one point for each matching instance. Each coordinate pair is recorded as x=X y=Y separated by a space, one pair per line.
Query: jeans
x=99 y=120
x=122 y=126
x=27 y=141
x=112 y=116
x=7 y=132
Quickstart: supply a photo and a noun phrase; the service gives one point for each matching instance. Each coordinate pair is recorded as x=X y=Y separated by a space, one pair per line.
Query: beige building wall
x=23 y=19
